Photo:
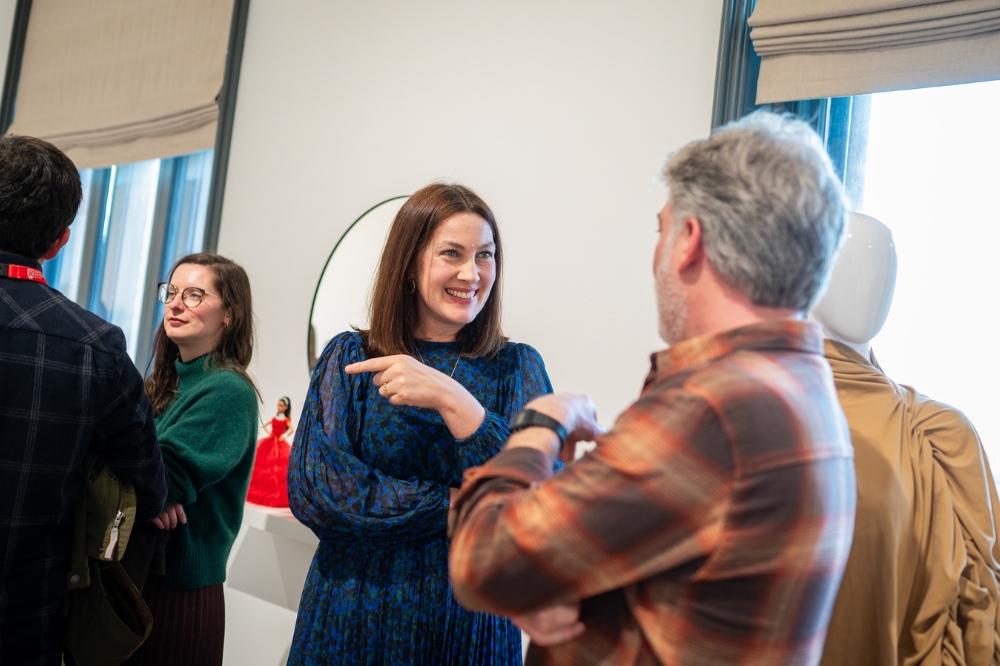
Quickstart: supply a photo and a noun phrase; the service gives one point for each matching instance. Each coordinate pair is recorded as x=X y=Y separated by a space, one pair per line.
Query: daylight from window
x=134 y=222
x=123 y=253
x=933 y=173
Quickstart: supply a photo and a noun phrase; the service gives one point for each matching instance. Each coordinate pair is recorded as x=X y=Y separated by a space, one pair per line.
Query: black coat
x=67 y=386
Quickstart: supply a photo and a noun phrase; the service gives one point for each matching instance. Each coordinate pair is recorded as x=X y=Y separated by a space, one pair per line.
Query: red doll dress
x=269 y=482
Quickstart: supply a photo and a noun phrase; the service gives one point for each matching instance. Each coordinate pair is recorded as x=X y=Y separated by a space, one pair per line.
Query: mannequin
x=921 y=583
x=856 y=303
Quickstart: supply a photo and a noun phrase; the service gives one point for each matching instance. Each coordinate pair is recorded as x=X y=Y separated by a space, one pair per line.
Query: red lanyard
x=22 y=273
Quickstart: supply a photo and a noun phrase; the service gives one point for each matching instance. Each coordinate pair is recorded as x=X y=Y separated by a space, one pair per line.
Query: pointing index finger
x=370 y=365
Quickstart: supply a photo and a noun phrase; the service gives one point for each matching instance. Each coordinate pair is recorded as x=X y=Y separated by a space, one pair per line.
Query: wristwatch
x=527 y=418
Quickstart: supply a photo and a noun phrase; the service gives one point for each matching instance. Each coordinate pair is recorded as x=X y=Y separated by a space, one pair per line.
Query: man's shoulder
x=747 y=373
x=779 y=405
x=41 y=309
x=761 y=397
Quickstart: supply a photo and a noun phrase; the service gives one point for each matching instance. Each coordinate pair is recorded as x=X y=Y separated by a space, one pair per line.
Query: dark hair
x=393 y=304
x=288 y=406
x=235 y=347
x=40 y=193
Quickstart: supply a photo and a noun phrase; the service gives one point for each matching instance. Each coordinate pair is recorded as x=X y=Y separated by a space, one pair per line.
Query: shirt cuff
x=523 y=463
x=511 y=469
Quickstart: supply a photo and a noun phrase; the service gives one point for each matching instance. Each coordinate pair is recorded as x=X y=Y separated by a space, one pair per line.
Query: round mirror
x=341 y=299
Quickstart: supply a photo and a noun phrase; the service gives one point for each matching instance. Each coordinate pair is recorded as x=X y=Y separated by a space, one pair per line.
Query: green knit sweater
x=208 y=436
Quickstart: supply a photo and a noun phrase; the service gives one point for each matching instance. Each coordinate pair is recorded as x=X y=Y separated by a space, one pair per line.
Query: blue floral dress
x=371 y=480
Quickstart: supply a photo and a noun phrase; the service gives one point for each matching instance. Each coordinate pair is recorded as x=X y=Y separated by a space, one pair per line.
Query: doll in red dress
x=269 y=483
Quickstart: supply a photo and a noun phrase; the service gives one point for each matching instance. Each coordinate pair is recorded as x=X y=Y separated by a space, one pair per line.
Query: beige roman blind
x=116 y=81
x=835 y=48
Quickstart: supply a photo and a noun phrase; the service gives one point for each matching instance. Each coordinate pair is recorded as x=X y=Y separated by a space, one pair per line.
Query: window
x=134 y=222
x=931 y=175
x=136 y=218
x=924 y=163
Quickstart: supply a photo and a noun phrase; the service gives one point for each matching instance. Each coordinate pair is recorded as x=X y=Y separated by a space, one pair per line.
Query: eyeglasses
x=191 y=297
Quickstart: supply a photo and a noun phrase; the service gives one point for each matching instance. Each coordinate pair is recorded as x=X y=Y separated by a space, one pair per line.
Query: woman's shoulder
x=351 y=337
x=348 y=343
x=345 y=348
x=518 y=350
x=218 y=391
x=520 y=365
x=228 y=384
x=518 y=354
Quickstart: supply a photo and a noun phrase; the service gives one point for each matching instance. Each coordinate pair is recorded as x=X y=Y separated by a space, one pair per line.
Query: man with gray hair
x=712 y=523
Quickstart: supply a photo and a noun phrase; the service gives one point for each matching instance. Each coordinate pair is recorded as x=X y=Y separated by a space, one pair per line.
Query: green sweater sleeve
x=208 y=435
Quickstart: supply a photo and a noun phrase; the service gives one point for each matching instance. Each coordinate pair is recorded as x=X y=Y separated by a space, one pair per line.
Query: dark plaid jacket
x=711 y=525
x=67 y=386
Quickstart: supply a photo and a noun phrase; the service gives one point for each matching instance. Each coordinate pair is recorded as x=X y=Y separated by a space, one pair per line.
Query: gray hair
x=771 y=208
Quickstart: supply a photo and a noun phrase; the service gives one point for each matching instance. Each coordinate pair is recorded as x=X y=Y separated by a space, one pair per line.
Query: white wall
x=559 y=114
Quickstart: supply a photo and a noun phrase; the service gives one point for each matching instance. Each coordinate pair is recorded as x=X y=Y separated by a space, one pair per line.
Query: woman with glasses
x=206 y=420
x=394 y=416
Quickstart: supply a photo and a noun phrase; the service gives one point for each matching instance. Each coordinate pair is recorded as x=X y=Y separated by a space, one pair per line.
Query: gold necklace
x=452 y=375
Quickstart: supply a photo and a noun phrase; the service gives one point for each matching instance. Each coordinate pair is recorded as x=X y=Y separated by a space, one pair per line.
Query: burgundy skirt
x=189 y=626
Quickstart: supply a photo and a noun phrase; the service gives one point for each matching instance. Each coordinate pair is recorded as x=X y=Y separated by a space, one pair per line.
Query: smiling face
x=454 y=275
x=196 y=331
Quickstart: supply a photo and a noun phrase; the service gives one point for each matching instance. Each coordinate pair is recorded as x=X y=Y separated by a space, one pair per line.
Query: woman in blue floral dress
x=393 y=417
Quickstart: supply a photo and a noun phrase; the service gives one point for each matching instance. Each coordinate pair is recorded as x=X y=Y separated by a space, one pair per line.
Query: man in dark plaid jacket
x=712 y=523
x=67 y=387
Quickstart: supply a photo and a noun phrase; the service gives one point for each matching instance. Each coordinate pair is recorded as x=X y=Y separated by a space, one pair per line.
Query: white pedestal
x=266 y=571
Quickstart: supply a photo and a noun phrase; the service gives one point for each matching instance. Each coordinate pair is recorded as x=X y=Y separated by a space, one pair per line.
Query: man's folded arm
x=641 y=503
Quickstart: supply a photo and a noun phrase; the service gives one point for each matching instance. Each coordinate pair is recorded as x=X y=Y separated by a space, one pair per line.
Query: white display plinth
x=266 y=571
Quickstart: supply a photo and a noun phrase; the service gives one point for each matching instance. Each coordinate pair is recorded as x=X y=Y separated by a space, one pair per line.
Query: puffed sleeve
x=330 y=489
x=522 y=379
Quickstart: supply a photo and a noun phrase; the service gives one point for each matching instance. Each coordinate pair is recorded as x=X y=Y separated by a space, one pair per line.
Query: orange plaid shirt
x=711 y=525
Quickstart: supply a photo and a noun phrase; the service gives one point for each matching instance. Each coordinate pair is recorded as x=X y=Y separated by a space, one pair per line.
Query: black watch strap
x=527 y=418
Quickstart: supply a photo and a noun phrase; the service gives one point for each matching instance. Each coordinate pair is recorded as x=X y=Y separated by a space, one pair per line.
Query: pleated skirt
x=189 y=626
x=394 y=607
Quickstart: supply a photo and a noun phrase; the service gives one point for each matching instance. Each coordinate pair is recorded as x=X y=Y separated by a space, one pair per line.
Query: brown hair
x=236 y=345
x=393 y=305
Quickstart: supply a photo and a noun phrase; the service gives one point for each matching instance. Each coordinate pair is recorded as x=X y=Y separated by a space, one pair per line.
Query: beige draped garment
x=921 y=583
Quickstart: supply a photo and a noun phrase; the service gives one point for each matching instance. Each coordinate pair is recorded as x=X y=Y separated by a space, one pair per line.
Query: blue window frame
x=841 y=121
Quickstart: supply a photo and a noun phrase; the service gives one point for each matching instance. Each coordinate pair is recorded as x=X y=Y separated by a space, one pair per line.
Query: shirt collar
x=20 y=260
x=773 y=334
